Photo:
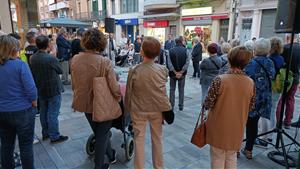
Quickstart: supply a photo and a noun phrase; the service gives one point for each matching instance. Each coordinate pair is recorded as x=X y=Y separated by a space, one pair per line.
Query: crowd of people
x=236 y=81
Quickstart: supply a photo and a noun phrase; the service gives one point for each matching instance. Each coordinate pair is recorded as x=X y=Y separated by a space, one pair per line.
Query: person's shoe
x=261 y=143
x=286 y=125
x=45 y=138
x=180 y=108
x=35 y=139
x=114 y=160
x=296 y=124
x=238 y=154
x=60 y=139
x=248 y=154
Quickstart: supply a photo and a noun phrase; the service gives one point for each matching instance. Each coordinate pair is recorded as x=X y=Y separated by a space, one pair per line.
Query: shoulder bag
x=199 y=135
x=105 y=106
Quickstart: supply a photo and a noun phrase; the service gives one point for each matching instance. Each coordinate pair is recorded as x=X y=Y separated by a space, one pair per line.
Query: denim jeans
x=21 y=124
x=49 y=111
x=181 y=84
x=102 y=145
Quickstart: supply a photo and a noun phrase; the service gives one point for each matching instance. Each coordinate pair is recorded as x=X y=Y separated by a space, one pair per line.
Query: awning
x=63 y=22
x=164 y=15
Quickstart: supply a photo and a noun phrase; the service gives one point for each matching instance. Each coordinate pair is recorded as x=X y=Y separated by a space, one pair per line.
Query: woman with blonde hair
x=18 y=102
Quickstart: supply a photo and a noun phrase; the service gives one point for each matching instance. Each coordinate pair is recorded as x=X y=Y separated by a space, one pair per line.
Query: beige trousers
x=222 y=159
x=140 y=119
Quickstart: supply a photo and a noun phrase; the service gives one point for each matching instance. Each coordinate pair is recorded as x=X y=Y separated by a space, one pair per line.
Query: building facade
x=256 y=18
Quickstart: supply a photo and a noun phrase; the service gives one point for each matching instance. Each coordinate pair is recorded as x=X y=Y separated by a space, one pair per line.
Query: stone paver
x=179 y=153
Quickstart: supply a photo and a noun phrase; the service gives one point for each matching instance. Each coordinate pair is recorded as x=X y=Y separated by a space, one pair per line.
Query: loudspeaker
x=287 y=11
x=109 y=25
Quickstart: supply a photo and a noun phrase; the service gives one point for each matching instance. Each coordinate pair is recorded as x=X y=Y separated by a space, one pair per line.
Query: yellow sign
x=197 y=11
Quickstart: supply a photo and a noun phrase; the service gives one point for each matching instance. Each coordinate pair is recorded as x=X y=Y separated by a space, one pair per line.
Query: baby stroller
x=122 y=123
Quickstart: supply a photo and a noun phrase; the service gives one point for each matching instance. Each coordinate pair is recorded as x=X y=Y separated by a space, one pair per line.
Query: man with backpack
x=197 y=57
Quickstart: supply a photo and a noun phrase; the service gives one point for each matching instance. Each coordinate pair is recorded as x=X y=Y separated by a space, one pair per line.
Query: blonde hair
x=8 y=48
x=276 y=45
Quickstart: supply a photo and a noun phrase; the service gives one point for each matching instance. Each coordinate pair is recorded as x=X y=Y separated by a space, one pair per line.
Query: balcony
x=89 y=16
x=59 y=5
x=160 y=4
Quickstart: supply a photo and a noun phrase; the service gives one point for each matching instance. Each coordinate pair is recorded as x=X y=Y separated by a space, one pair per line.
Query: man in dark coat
x=178 y=63
x=197 y=57
x=64 y=54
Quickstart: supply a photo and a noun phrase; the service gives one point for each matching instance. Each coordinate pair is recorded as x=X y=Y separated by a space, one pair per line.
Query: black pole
x=10 y=15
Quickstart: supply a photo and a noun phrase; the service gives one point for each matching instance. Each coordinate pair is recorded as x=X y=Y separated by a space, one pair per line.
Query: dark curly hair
x=93 y=39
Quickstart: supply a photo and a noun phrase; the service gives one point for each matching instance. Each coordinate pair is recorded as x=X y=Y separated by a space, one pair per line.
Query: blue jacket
x=17 y=89
x=169 y=44
x=262 y=83
x=63 y=48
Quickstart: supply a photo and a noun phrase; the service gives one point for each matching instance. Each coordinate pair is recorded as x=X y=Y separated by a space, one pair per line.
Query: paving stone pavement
x=179 y=153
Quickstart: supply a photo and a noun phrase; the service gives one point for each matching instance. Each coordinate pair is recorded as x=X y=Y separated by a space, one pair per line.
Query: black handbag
x=169 y=116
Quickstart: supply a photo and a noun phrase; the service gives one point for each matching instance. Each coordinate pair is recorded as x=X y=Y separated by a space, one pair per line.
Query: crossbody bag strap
x=267 y=74
x=214 y=63
x=201 y=115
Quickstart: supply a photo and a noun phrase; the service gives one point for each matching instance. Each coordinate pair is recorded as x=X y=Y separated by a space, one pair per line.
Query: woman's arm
x=213 y=94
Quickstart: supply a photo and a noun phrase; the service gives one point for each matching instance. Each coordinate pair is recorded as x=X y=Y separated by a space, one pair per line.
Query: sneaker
x=59 y=140
x=114 y=160
x=286 y=126
x=35 y=140
x=261 y=143
x=248 y=154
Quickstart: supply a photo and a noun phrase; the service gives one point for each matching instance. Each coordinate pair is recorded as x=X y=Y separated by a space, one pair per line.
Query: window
x=129 y=6
x=113 y=6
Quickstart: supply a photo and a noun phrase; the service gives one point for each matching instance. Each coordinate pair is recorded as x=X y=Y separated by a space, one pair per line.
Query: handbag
x=199 y=135
x=105 y=106
x=169 y=116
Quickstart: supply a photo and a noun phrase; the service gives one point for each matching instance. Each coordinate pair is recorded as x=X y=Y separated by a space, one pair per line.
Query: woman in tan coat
x=84 y=68
x=146 y=99
x=230 y=98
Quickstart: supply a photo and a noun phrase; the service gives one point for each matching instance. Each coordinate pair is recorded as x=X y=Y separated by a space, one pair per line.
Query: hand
x=178 y=75
x=34 y=103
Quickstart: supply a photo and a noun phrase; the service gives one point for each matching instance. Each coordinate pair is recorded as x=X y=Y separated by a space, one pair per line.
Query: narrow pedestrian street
x=179 y=153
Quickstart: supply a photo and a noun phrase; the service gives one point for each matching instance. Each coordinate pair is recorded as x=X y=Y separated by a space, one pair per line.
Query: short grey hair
x=262 y=46
x=250 y=45
x=225 y=47
x=235 y=43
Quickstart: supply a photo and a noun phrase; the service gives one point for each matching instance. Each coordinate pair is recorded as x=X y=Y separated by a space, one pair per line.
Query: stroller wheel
x=90 y=145
x=129 y=150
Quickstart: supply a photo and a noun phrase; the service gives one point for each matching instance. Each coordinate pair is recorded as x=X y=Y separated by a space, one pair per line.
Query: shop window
x=113 y=7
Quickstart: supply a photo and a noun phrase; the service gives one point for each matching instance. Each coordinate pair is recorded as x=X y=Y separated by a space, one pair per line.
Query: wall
x=5 y=19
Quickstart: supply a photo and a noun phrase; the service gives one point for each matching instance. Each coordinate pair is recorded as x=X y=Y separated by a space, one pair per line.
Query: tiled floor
x=179 y=153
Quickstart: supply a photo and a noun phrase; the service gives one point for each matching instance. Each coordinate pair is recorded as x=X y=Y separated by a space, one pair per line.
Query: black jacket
x=197 y=53
x=76 y=47
x=178 y=58
x=46 y=70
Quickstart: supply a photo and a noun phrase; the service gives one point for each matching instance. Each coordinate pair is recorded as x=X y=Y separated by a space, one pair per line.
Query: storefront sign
x=156 y=24
x=127 y=22
x=197 y=11
x=206 y=17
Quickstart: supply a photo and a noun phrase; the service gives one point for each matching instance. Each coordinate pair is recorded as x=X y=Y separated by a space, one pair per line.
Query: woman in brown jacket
x=84 y=68
x=230 y=98
x=146 y=98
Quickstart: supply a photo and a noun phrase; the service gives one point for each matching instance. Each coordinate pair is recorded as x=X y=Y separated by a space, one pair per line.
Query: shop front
x=129 y=26
x=156 y=28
